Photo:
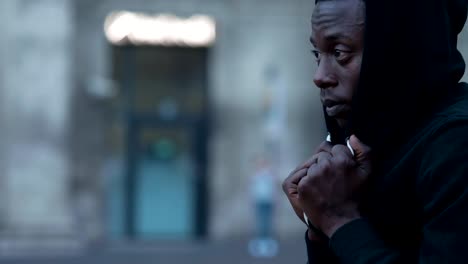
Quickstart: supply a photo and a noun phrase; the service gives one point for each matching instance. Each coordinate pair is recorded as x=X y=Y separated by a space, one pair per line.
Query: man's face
x=338 y=40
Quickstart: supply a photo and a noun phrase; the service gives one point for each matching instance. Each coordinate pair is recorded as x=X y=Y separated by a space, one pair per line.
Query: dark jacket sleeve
x=443 y=191
x=319 y=253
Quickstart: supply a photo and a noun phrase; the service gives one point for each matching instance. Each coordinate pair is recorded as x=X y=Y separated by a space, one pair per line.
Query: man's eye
x=340 y=55
x=316 y=54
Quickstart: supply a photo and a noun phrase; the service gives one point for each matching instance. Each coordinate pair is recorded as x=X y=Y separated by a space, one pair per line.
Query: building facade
x=69 y=160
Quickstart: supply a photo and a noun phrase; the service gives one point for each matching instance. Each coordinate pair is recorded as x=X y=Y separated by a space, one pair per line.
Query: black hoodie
x=412 y=111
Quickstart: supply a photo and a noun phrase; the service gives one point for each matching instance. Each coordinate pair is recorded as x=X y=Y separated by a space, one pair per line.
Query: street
x=229 y=252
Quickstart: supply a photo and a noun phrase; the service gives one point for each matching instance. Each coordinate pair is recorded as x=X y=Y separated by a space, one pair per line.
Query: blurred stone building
x=101 y=141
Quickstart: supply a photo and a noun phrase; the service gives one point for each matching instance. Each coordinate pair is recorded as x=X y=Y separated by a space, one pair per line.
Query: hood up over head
x=411 y=67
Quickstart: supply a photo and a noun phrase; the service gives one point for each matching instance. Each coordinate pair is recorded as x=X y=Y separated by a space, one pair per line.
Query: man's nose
x=324 y=76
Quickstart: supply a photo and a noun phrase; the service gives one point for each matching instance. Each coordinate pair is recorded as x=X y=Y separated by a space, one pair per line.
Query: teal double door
x=159 y=190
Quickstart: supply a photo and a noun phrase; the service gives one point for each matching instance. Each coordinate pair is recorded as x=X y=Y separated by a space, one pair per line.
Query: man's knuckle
x=312 y=169
x=302 y=187
x=285 y=185
x=324 y=146
x=340 y=160
x=288 y=180
x=314 y=180
x=340 y=150
x=309 y=162
x=325 y=165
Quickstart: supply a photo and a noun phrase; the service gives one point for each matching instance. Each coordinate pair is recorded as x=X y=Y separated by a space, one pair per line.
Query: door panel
x=165 y=193
x=157 y=190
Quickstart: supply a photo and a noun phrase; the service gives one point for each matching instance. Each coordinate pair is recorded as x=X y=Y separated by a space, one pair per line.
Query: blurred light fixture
x=125 y=27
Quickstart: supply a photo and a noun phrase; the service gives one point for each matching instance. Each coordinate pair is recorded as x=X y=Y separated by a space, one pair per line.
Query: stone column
x=35 y=102
x=5 y=18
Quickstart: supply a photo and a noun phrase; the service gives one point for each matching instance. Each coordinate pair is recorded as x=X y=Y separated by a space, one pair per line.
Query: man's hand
x=334 y=180
x=290 y=185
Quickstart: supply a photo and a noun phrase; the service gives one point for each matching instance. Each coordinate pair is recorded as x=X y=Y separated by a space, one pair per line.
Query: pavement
x=225 y=252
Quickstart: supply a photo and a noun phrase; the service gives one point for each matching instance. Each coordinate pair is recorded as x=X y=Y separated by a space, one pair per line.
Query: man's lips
x=337 y=110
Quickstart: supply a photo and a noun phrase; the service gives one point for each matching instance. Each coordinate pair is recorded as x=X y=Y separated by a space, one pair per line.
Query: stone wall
x=53 y=141
x=251 y=37
x=36 y=87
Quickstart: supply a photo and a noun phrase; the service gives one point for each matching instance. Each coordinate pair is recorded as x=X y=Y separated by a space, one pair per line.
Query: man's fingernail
x=350 y=147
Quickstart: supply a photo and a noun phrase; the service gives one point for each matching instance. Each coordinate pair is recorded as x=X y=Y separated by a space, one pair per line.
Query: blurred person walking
x=263 y=189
